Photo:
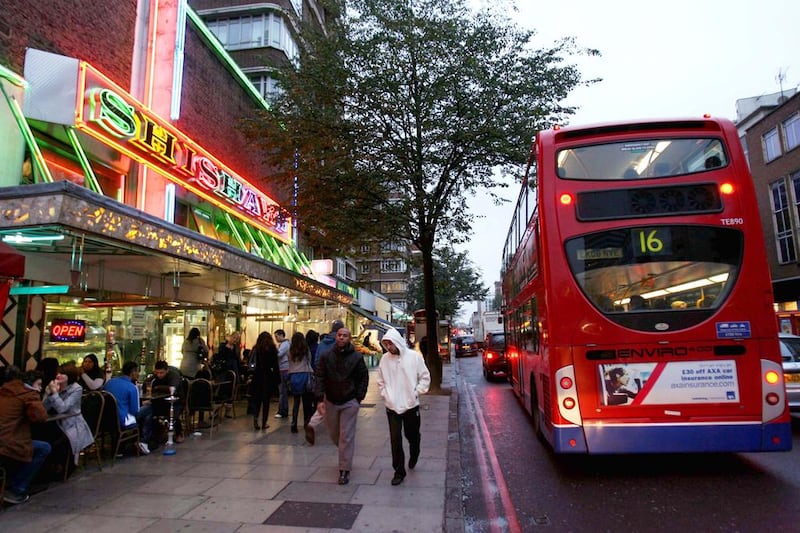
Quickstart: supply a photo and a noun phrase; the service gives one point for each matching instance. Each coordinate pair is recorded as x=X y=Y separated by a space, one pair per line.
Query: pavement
x=251 y=481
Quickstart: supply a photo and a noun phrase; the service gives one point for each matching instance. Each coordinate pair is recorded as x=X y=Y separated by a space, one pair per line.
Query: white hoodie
x=402 y=378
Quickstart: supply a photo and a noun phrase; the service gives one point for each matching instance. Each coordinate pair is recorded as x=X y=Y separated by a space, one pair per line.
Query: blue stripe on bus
x=673 y=438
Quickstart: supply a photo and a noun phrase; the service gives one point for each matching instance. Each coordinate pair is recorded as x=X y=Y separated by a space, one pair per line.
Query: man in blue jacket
x=123 y=389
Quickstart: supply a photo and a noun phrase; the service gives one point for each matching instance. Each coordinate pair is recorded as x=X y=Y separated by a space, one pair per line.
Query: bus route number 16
x=650 y=242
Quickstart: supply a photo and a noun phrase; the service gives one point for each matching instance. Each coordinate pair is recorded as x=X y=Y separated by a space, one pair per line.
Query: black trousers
x=408 y=422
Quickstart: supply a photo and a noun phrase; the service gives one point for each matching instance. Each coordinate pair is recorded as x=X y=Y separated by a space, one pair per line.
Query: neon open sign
x=67 y=330
x=112 y=116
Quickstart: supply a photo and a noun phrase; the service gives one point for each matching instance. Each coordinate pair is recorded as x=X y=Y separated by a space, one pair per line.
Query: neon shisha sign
x=115 y=118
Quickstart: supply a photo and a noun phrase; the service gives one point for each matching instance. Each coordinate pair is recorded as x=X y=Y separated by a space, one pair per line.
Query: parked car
x=790 y=353
x=494 y=355
x=465 y=345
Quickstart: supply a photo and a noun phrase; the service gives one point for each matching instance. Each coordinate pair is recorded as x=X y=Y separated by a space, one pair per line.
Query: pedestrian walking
x=265 y=377
x=300 y=379
x=283 y=362
x=342 y=381
x=325 y=344
x=402 y=377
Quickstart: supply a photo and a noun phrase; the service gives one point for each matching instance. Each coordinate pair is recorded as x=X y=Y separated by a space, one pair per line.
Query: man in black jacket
x=342 y=381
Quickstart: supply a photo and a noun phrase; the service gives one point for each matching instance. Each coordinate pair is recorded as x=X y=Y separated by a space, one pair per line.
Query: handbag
x=298 y=382
x=311 y=383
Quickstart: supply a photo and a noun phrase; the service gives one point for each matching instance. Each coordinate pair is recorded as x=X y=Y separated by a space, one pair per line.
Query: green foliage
x=399 y=110
x=455 y=281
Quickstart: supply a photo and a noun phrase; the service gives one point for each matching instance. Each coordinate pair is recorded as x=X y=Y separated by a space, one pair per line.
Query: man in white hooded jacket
x=402 y=377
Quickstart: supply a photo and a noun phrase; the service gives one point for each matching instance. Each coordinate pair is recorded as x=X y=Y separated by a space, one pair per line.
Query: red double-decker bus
x=637 y=297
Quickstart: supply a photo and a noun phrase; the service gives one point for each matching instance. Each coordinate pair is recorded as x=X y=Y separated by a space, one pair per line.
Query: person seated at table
x=123 y=389
x=21 y=405
x=227 y=356
x=63 y=397
x=164 y=378
x=48 y=367
x=92 y=376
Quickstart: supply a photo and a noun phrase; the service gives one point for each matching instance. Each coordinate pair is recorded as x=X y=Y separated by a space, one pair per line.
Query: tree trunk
x=432 y=358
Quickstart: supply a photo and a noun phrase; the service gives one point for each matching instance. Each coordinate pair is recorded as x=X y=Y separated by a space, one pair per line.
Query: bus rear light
x=565 y=199
x=489 y=355
x=726 y=188
x=566 y=383
x=569 y=403
x=772 y=398
x=771 y=377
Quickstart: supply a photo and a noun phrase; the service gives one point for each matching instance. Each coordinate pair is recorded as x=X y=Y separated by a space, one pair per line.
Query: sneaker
x=278 y=415
x=13 y=497
x=310 y=435
x=397 y=479
x=344 y=477
x=145 y=448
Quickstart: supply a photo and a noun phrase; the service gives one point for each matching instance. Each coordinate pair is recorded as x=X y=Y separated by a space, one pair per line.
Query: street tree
x=398 y=110
x=455 y=281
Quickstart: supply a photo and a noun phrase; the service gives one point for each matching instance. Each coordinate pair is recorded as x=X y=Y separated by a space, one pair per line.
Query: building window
x=298 y=8
x=392 y=246
x=393 y=287
x=791 y=132
x=400 y=303
x=365 y=248
x=267 y=29
x=743 y=142
x=266 y=86
x=782 y=221
x=341 y=268
x=772 y=145
x=365 y=268
x=393 y=266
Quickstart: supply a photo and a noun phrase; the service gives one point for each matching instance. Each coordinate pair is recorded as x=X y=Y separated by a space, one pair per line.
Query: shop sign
x=321 y=291
x=112 y=116
x=67 y=330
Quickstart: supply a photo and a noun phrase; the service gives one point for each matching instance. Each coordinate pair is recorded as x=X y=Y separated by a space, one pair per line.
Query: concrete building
x=770 y=127
x=137 y=204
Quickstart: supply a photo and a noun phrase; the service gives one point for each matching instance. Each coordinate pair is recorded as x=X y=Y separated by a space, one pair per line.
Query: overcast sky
x=659 y=59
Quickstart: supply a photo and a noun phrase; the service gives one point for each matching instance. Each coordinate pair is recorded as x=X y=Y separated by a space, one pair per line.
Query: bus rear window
x=648 y=270
x=641 y=159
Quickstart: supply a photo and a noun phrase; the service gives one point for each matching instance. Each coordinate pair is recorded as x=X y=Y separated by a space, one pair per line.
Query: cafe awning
x=12 y=262
x=381 y=324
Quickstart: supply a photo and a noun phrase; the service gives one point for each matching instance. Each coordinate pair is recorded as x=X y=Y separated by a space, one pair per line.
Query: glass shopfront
x=119 y=334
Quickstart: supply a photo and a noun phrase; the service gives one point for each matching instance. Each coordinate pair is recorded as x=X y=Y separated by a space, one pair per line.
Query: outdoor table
x=151 y=397
x=60 y=416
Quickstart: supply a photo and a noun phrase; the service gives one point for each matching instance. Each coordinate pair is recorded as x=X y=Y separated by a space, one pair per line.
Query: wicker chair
x=92 y=404
x=109 y=425
x=201 y=400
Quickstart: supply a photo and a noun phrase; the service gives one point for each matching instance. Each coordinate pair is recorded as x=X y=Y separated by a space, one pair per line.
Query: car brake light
x=489 y=355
